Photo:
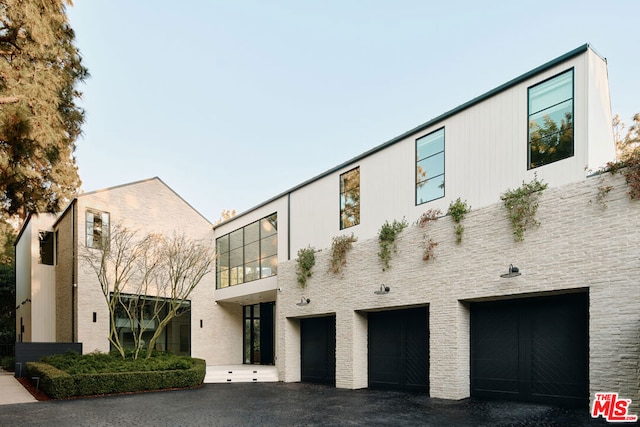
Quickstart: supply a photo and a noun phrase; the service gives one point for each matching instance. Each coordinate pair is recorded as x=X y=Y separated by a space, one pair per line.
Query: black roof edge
x=513 y=82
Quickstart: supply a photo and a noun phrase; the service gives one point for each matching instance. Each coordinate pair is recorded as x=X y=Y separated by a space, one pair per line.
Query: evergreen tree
x=40 y=121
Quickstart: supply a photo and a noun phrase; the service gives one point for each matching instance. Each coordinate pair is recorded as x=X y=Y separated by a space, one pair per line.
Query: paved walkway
x=11 y=391
x=286 y=404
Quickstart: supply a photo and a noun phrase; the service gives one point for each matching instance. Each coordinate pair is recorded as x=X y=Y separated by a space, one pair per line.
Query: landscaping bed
x=71 y=374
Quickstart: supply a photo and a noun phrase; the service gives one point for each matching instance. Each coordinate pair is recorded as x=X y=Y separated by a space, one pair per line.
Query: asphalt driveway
x=285 y=404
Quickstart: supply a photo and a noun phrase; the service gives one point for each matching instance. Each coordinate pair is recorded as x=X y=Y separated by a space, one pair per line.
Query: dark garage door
x=399 y=349
x=318 y=349
x=533 y=349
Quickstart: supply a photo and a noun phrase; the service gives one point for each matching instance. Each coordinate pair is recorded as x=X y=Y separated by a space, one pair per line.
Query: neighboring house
x=449 y=327
x=59 y=297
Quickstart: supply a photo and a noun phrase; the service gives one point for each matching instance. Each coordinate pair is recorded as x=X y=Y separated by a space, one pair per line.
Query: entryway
x=531 y=349
x=258 y=333
x=399 y=349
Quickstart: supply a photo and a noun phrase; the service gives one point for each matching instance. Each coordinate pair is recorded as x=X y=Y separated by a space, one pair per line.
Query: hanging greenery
x=305 y=262
x=387 y=239
x=428 y=244
x=629 y=167
x=458 y=210
x=339 y=248
x=522 y=205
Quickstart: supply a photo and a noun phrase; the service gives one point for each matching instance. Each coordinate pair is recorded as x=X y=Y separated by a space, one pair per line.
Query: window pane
x=236 y=239
x=268 y=226
x=269 y=246
x=269 y=266
x=350 y=180
x=252 y=233
x=430 y=190
x=223 y=278
x=236 y=258
x=236 y=275
x=431 y=166
x=551 y=92
x=222 y=244
x=430 y=144
x=252 y=252
x=252 y=271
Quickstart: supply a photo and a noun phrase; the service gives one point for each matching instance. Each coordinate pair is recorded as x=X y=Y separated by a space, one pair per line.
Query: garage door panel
x=531 y=349
x=399 y=349
x=318 y=350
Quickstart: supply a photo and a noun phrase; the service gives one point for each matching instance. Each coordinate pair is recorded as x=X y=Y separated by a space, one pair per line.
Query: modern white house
x=553 y=318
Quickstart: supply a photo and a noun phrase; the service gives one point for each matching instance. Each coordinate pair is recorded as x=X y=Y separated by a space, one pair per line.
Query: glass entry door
x=258 y=333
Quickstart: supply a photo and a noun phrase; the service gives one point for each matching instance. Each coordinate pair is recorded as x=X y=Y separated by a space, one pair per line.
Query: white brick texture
x=578 y=245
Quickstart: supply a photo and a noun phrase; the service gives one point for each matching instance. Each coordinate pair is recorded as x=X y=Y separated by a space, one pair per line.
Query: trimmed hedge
x=61 y=385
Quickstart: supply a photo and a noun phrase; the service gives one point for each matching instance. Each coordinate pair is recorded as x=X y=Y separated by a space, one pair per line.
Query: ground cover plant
x=71 y=374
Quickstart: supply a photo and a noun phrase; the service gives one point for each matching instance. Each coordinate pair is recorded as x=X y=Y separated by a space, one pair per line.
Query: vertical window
x=430 y=167
x=46 y=247
x=248 y=253
x=551 y=120
x=350 y=198
x=97 y=229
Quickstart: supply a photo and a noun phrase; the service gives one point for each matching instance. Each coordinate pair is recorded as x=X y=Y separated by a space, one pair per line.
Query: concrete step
x=240 y=373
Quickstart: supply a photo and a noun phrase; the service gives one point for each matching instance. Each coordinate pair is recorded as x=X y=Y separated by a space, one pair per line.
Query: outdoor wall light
x=513 y=272
x=383 y=290
x=303 y=301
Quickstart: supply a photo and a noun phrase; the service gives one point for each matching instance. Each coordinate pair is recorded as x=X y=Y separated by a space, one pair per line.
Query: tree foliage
x=627 y=138
x=146 y=281
x=39 y=119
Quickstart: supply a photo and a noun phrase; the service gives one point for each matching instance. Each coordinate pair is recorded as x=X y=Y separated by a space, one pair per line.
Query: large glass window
x=248 y=253
x=350 y=198
x=551 y=120
x=137 y=318
x=430 y=167
x=97 y=229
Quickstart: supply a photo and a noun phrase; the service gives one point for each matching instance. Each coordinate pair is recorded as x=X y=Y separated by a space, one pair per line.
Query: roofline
x=538 y=70
x=72 y=202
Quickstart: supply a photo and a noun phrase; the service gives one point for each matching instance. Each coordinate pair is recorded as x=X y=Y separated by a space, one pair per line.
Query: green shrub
x=176 y=372
x=8 y=363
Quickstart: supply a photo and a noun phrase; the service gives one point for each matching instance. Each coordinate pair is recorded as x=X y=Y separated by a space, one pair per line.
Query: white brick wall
x=578 y=245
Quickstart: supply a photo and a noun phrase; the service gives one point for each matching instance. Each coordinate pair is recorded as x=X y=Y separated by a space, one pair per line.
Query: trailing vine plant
x=428 y=244
x=522 y=205
x=387 y=240
x=339 y=248
x=629 y=167
x=306 y=260
x=458 y=210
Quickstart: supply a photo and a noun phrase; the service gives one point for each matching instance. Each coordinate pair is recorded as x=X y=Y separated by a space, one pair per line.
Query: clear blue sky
x=233 y=102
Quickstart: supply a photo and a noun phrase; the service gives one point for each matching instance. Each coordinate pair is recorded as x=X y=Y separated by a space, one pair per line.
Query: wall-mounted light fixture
x=513 y=272
x=201 y=323
x=383 y=290
x=95 y=317
x=303 y=301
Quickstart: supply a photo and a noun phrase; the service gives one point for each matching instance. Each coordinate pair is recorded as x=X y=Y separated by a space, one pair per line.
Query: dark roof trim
x=569 y=55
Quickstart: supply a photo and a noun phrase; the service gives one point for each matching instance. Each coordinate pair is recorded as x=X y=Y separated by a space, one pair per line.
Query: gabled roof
x=155 y=178
x=511 y=83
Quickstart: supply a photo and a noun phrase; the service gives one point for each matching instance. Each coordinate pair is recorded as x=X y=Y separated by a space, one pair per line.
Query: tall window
x=46 y=247
x=430 y=167
x=350 y=198
x=248 y=253
x=551 y=120
x=97 y=229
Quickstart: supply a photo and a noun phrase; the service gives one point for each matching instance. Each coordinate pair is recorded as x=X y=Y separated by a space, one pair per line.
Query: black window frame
x=343 y=192
x=262 y=260
x=105 y=232
x=444 y=165
x=46 y=254
x=529 y=114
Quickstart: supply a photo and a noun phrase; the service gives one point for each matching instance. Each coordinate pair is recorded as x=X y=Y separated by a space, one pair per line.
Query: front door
x=258 y=333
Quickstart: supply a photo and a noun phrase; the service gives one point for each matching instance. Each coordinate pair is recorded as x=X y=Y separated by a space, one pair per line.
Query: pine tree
x=40 y=121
